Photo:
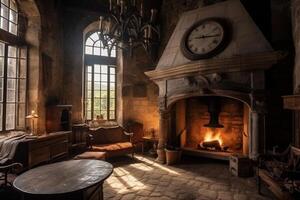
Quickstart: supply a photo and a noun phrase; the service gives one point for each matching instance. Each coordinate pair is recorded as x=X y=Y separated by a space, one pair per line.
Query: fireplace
x=213 y=126
x=236 y=76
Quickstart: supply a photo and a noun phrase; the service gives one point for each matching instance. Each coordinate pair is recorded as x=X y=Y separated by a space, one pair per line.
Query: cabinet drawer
x=38 y=156
x=59 y=149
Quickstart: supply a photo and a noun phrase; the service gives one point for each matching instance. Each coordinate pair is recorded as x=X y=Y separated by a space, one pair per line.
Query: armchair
x=5 y=170
x=281 y=172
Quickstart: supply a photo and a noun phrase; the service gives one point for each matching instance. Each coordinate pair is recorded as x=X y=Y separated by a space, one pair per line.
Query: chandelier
x=127 y=26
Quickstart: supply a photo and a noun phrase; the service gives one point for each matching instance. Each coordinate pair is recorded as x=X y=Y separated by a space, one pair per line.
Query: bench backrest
x=109 y=135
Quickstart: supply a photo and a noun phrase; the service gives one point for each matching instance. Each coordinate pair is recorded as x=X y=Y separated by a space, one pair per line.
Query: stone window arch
x=94 y=46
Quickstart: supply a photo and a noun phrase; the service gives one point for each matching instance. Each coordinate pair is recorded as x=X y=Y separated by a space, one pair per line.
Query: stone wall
x=43 y=35
x=74 y=24
x=51 y=55
x=296 y=29
x=295 y=12
x=140 y=95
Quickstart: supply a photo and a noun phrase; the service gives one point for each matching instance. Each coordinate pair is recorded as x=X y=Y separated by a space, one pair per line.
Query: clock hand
x=206 y=36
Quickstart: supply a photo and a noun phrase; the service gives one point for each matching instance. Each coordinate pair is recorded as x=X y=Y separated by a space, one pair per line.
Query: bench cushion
x=112 y=147
x=91 y=155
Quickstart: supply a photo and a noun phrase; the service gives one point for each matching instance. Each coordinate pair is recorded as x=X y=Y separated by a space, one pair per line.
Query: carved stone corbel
x=258 y=102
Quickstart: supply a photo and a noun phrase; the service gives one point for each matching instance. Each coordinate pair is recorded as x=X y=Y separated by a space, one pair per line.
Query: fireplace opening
x=212 y=126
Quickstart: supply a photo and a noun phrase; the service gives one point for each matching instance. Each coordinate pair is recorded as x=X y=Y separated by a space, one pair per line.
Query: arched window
x=9 y=16
x=13 y=72
x=100 y=79
x=94 y=46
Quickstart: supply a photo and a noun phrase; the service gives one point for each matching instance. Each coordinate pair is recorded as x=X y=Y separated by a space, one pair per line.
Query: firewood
x=211 y=144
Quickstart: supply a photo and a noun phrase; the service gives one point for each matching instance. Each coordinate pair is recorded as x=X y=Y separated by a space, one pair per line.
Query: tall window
x=13 y=71
x=100 y=79
x=9 y=16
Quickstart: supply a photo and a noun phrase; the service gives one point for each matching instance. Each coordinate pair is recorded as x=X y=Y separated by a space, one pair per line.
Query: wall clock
x=205 y=39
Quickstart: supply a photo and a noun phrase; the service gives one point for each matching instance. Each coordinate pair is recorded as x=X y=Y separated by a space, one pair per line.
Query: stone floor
x=193 y=179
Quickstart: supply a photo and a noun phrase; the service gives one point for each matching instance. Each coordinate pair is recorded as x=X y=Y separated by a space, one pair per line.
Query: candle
x=100 y=23
x=153 y=15
x=109 y=25
x=118 y=2
x=122 y=6
x=145 y=35
x=110 y=5
x=142 y=10
x=149 y=32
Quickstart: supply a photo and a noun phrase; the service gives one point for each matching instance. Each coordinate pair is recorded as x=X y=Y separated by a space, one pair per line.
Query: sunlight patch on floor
x=154 y=164
x=142 y=167
x=129 y=181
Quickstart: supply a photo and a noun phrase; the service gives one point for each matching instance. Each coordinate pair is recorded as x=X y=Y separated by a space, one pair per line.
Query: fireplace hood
x=214 y=111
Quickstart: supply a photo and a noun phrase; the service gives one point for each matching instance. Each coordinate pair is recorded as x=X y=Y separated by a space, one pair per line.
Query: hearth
x=213 y=125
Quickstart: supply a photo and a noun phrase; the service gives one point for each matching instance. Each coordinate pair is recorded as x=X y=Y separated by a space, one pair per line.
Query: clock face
x=204 y=39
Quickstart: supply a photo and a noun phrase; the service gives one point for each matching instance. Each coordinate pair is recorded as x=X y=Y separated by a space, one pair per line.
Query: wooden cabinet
x=47 y=148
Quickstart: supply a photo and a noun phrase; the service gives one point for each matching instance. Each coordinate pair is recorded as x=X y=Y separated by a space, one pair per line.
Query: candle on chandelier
x=153 y=15
x=145 y=35
x=109 y=25
x=101 y=22
x=122 y=6
x=149 y=32
x=118 y=2
x=110 y=5
x=142 y=9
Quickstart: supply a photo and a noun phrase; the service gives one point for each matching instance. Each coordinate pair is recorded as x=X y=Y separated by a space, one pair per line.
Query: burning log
x=214 y=144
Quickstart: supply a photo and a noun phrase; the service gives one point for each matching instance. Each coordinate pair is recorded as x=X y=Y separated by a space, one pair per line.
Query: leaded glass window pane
x=9 y=16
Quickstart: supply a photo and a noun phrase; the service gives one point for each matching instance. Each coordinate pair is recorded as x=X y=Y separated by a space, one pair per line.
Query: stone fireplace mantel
x=252 y=62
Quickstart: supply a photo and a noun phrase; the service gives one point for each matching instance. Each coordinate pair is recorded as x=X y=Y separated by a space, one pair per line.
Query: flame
x=211 y=135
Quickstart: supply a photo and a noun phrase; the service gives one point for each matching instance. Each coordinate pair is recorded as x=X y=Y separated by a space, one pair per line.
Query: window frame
x=9 y=38
x=92 y=90
x=17 y=79
x=92 y=60
x=8 y=18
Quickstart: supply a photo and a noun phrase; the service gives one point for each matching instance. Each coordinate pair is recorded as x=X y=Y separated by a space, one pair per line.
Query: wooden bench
x=112 y=140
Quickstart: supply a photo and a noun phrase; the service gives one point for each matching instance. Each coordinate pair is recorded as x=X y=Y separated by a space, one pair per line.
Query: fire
x=211 y=135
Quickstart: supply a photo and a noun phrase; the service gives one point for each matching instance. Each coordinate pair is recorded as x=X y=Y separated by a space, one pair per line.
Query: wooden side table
x=152 y=140
x=240 y=165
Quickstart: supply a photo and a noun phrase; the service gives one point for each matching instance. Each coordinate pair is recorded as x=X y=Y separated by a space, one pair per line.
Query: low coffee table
x=68 y=180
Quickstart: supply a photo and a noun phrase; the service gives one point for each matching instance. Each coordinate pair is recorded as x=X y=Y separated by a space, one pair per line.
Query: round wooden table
x=68 y=180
